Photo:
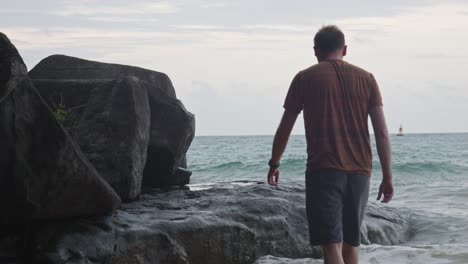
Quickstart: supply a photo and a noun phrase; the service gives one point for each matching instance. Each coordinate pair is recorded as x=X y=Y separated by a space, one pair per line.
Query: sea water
x=430 y=180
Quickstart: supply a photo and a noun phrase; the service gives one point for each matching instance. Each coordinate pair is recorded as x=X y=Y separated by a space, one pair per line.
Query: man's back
x=336 y=98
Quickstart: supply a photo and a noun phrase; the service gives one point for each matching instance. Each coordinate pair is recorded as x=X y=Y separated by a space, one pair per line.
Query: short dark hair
x=329 y=38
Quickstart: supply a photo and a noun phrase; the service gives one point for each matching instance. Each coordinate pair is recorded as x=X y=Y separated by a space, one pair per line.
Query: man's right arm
x=385 y=152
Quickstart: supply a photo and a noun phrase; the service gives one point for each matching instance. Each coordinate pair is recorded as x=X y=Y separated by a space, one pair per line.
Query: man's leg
x=350 y=254
x=357 y=193
x=332 y=253
x=325 y=191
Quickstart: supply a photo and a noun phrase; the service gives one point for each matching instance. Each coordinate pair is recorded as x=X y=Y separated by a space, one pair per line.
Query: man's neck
x=331 y=57
x=335 y=57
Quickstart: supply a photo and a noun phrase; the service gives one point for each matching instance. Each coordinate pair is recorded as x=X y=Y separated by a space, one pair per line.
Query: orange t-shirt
x=336 y=97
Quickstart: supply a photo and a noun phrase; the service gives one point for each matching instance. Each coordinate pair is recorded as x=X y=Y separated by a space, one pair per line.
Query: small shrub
x=61 y=114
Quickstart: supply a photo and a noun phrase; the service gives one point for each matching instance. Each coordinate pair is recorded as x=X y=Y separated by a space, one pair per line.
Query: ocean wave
x=429 y=166
x=438 y=227
x=286 y=164
x=300 y=163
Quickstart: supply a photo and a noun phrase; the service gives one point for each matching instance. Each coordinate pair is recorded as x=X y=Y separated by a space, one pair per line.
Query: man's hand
x=279 y=144
x=384 y=149
x=273 y=177
x=386 y=188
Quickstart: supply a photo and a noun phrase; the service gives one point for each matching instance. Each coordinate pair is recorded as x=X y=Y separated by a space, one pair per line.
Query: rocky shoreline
x=93 y=170
x=236 y=222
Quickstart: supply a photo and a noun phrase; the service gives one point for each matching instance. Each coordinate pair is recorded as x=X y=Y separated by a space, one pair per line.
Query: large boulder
x=114 y=133
x=43 y=174
x=71 y=83
x=61 y=67
x=231 y=223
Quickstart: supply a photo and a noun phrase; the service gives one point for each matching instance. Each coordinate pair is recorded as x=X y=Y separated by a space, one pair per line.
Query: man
x=337 y=98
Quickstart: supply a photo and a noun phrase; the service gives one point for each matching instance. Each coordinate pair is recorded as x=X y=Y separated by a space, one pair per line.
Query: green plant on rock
x=61 y=114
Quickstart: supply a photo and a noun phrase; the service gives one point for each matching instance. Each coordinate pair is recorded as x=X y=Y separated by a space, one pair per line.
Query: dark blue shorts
x=335 y=202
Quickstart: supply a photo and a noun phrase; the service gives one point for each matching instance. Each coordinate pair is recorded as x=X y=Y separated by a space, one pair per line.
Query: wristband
x=273 y=166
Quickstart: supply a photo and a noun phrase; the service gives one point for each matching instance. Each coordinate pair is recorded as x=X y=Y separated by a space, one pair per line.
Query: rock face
x=76 y=84
x=114 y=133
x=43 y=174
x=226 y=223
x=386 y=225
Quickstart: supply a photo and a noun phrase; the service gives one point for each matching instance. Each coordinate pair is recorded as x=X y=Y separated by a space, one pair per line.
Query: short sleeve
x=375 y=96
x=293 y=101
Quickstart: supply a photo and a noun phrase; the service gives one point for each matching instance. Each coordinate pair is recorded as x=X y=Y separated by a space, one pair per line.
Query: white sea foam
x=275 y=260
x=434 y=254
x=227 y=185
x=201 y=186
x=376 y=254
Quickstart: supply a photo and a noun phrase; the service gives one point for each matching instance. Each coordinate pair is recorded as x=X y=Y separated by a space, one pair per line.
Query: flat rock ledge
x=276 y=260
x=238 y=222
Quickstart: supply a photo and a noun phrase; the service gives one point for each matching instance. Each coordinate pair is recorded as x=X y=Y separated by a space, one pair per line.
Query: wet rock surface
x=385 y=226
x=224 y=223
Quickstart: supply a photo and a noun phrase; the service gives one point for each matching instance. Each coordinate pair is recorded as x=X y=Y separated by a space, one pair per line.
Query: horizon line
x=270 y=135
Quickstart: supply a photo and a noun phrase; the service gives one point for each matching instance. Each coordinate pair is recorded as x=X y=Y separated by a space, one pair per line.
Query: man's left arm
x=279 y=144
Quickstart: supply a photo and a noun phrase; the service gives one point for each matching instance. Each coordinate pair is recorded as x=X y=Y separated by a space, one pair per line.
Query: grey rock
x=61 y=67
x=73 y=95
x=114 y=133
x=172 y=132
x=236 y=222
x=43 y=174
x=71 y=81
x=386 y=225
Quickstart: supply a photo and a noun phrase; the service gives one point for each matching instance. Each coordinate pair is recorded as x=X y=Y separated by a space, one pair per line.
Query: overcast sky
x=231 y=62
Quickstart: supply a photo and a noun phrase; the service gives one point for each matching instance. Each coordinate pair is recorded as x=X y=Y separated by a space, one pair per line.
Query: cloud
x=18 y=11
x=199 y=27
x=281 y=27
x=436 y=56
x=278 y=28
x=83 y=9
x=119 y=19
x=82 y=36
x=212 y=4
x=245 y=66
